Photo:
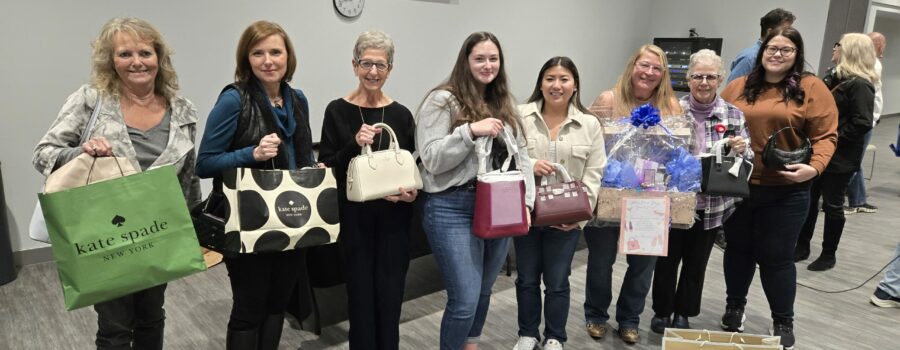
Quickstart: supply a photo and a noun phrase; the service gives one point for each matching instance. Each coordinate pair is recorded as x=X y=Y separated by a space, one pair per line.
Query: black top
x=855 y=99
x=343 y=120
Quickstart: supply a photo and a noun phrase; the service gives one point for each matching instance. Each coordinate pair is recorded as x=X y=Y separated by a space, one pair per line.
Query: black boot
x=242 y=340
x=270 y=332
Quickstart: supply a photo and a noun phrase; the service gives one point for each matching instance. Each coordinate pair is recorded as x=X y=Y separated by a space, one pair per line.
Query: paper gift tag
x=644 y=226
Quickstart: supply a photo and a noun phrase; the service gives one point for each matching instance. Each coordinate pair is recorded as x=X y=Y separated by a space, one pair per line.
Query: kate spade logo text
x=124 y=237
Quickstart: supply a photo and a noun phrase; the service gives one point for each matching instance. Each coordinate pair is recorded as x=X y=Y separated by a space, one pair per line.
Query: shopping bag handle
x=483 y=147
x=94 y=162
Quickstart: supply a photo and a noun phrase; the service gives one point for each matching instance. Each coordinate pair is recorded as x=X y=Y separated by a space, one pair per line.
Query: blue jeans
x=856 y=191
x=764 y=230
x=602 y=245
x=544 y=251
x=469 y=265
x=891 y=281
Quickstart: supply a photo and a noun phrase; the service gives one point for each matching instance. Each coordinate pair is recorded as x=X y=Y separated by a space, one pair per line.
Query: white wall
x=737 y=22
x=46 y=48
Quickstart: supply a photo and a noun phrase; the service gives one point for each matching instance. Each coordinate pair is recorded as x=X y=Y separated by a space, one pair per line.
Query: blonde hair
x=857 y=58
x=663 y=96
x=103 y=72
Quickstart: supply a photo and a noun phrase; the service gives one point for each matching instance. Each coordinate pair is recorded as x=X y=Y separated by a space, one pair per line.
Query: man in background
x=857 y=200
x=774 y=20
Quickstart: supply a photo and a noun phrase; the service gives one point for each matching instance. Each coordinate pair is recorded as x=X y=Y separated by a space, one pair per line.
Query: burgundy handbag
x=561 y=203
x=500 y=209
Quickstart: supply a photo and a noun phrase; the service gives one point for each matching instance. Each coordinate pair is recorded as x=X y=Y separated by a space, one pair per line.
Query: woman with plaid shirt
x=714 y=119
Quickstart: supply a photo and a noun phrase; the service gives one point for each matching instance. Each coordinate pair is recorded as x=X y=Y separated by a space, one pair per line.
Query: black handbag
x=776 y=159
x=725 y=175
x=209 y=217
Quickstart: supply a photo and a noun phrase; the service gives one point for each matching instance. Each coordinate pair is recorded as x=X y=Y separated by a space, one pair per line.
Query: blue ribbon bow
x=645 y=116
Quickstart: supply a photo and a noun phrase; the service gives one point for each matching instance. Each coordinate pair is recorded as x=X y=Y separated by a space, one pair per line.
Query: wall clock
x=349 y=8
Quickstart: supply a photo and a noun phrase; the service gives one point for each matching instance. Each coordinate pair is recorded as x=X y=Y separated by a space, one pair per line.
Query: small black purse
x=776 y=159
x=725 y=175
x=209 y=217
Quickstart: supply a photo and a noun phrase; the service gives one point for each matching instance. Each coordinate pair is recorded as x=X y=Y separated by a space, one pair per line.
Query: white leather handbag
x=374 y=175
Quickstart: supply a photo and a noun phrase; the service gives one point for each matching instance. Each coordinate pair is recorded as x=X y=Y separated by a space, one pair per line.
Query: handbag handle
x=483 y=149
x=394 y=144
x=91 y=121
x=94 y=162
x=560 y=170
x=799 y=132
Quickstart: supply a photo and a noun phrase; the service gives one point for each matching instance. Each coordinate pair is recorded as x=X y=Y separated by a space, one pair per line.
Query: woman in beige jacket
x=559 y=129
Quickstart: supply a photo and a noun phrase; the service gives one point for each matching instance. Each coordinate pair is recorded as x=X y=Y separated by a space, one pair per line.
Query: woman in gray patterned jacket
x=141 y=118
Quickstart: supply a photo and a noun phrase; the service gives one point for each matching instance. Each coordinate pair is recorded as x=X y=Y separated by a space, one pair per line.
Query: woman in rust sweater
x=764 y=229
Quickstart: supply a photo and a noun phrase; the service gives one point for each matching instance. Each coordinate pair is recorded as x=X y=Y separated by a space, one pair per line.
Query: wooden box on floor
x=692 y=339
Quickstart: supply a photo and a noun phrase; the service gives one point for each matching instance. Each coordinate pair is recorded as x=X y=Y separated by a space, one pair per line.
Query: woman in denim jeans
x=559 y=130
x=644 y=80
x=474 y=102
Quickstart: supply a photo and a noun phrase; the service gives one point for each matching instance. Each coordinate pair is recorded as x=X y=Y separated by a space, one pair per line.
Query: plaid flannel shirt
x=717 y=209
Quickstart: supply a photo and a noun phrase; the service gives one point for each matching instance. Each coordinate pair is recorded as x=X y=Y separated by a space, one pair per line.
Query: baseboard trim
x=33 y=256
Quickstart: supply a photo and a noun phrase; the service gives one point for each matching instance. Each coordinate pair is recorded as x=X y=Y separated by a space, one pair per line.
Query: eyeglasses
x=701 y=77
x=786 y=51
x=836 y=45
x=367 y=65
x=647 y=67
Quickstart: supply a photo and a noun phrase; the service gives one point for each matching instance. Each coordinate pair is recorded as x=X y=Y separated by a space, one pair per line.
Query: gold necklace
x=361 y=117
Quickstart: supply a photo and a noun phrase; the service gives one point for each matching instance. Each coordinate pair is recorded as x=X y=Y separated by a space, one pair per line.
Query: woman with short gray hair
x=374 y=234
x=714 y=120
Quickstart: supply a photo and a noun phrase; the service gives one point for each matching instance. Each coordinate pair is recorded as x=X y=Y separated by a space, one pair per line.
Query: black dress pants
x=681 y=293
x=375 y=241
x=134 y=321
x=261 y=285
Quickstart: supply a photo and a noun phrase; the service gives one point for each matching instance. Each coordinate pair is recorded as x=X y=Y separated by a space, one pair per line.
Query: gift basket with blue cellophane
x=648 y=155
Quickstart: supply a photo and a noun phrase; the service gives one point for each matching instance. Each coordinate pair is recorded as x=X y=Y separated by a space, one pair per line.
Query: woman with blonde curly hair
x=141 y=118
x=853 y=88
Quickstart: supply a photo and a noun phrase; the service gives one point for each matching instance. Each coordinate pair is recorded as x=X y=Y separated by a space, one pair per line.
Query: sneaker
x=658 y=324
x=785 y=330
x=596 y=331
x=527 y=343
x=630 y=335
x=882 y=299
x=733 y=319
x=553 y=344
x=866 y=208
x=850 y=210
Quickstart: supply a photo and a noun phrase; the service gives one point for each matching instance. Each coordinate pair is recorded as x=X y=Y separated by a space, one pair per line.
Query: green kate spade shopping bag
x=120 y=236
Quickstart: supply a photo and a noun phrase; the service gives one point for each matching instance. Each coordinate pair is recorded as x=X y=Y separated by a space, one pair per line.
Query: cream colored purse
x=374 y=175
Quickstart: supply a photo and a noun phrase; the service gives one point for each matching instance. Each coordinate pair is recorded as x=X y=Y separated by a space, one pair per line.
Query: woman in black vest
x=259 y=122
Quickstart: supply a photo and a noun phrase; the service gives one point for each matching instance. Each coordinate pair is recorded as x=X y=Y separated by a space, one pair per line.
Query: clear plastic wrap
x=650 y=153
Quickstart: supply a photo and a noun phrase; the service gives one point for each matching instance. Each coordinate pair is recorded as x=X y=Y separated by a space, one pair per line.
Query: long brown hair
x=256 y=32
x=663 y=96
x=496 y=101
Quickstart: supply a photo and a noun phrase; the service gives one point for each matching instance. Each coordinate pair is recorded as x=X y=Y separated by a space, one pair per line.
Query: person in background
x=560 y=130
x=773 y=20
x=274 y=133
x=680 y=294
x=374 y=234
x=853 y=89
x=858 y=200
x=142 y=118
x=645 y=79
x=887 y=294
x=474 y=102
x=763 y=230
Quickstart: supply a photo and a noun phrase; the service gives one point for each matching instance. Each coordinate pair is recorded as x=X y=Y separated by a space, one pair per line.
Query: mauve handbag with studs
x=561 y=203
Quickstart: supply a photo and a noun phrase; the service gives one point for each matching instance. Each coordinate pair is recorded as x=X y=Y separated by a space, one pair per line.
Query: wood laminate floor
x=32 y=314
